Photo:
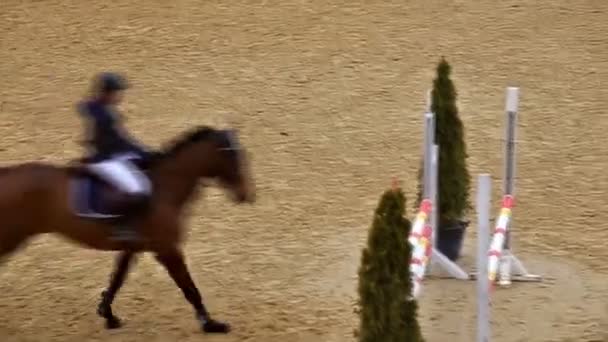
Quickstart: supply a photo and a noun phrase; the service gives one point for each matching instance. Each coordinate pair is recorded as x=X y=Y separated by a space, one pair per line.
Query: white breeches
x=121 y=173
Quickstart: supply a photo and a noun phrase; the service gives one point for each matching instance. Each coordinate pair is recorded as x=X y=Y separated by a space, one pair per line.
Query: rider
x=112 y=152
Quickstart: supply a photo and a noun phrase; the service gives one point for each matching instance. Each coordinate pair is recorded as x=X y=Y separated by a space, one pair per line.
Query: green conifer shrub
x=386 y=311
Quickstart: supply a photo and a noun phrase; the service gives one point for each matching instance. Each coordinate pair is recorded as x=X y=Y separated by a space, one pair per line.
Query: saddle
x=93 y=198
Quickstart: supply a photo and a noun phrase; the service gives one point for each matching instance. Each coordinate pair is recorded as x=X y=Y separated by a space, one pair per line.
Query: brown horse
x=35 y=199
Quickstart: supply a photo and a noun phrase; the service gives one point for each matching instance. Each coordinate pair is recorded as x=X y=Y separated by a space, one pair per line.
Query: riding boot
x=125 y=228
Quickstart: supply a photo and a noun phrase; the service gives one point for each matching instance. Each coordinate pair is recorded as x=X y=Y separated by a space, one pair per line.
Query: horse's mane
x=187 y=138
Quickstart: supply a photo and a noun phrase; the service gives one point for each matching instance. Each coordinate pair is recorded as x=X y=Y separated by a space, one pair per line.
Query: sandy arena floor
x=330 y=96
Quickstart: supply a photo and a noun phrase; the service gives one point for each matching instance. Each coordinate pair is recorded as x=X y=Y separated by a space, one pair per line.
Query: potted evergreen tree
x=386 y=310
x=453 y=177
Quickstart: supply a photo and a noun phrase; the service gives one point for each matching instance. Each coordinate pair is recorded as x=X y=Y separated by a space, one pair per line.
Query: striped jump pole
x=424 y=231
x=503 y=265
x=420 y=238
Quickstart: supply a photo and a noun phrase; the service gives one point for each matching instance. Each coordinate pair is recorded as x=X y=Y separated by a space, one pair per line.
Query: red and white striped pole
x=421 y=240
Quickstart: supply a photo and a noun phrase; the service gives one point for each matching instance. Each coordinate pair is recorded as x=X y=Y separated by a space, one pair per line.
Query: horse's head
x=216 y=154
x=232 y=168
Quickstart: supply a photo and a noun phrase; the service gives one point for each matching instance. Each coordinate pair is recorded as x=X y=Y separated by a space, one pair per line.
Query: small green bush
x=387 y=314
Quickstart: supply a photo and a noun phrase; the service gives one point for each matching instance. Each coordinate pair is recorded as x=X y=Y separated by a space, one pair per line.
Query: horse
x=38 y=198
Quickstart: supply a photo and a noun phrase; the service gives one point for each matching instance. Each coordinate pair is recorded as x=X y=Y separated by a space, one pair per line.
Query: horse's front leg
x=123 y=262
x=173 y=261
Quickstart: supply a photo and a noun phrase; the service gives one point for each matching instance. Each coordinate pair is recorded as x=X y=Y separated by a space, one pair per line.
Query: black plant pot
x=450 y=236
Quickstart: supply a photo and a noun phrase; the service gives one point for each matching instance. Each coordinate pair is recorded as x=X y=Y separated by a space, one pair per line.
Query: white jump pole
x=433 y=193
x=429 y=141
x=430 y=191
x=511 y=268
x=484 y=189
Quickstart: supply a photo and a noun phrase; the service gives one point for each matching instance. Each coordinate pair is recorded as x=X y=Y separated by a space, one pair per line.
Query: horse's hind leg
x=107 y=297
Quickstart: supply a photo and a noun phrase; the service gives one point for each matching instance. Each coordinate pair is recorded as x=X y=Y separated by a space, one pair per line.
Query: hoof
x=113 y=323
x=215 y=327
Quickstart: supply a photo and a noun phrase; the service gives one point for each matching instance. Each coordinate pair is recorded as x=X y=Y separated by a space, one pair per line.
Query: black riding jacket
x=106 y=136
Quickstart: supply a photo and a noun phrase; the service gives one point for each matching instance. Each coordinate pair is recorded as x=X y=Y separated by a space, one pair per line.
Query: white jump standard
x=510 y=268
x=430 y=191
x=484 y=198
x=423 y=237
